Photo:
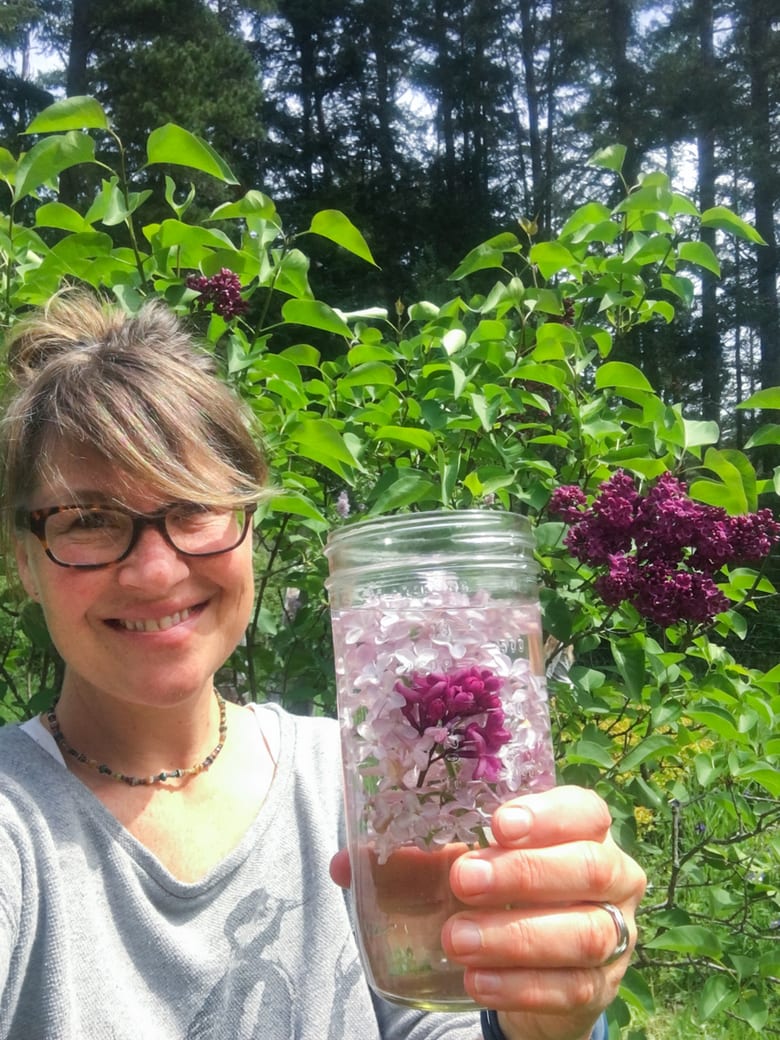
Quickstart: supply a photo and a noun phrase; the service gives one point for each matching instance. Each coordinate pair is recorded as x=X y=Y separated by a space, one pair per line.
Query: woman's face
x=151 y=629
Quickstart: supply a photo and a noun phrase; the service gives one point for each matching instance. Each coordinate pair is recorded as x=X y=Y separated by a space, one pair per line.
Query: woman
x=163 y=854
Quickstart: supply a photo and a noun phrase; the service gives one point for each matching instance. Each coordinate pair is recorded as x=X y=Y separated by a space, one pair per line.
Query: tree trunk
x=710 y=350
x=761 y=14
x=77 y=80
x=528 y=45
x=623 y=84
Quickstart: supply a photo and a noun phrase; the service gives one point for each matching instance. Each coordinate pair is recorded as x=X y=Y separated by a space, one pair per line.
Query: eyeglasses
x=97 y=536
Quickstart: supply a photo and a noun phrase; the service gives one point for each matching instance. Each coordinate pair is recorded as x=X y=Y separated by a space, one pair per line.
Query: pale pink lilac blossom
x=430 y=781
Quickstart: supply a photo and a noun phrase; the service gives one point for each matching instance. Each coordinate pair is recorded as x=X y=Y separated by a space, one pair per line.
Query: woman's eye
x=95 y=520
x=193 y=514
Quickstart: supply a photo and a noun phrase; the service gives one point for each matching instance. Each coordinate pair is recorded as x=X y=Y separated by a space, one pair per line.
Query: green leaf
x=764 y=775
x=319 y=440
x=58 y=215
x=738 y=492
x=621 y=375
x=48 y=158
x=590 y=753
x=334 y=225
x=8 y=165
x=587 y=216
x=688 y=938
x=547 y=374
x=486 y=412
x=679 y=286
x=179 y=208
x=552 y=257
x=111 y=207
x=632 y=667
x=610 y=158
x=302 y=354
x=294 y=502
x=487 y=255
x=453 y=340
x=176 y=146
x=72 y=113
x=701 y=254
x=768 y=434
x=635 y=991
x=34 y=625
x=719 y=992
x=718 y=720
x=315 y=315
x=398 y=488
x=552 y=341
x=546 y=301
x=730 y=498
x=683 y=205
x=722 y=218
x=292 y=275
x=698 y=432
x=424 y=440
x=371 y=373
x=754 y=1011
x=767 y=398
x=489 y=330
x=253 y=204
x=654 y=746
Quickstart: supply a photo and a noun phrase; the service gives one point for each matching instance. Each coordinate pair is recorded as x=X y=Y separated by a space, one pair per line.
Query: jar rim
x=429 y=520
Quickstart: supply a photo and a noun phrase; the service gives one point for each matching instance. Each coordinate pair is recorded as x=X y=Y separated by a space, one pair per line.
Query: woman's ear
x=25 y=569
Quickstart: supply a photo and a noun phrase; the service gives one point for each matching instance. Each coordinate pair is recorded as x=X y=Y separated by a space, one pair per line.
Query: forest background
x=620 y=316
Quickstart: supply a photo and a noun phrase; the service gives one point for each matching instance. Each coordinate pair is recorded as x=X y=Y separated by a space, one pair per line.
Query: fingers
x=553 y=847
x=553 y=817
x=340 y=869
x=540 y=961
x=585 y=871
x=582 y=936
x=576 y=994
x=535 y=939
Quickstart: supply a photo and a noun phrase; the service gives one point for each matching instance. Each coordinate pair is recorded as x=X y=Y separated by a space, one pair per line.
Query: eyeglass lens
x=88 y=536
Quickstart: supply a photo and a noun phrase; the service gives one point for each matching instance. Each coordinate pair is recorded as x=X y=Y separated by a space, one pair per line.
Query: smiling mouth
x=153 y=624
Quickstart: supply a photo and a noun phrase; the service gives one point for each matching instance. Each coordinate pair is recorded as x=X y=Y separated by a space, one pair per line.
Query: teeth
x=157 y=624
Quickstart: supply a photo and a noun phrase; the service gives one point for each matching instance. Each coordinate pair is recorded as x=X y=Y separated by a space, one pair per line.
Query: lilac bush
x=660 y=551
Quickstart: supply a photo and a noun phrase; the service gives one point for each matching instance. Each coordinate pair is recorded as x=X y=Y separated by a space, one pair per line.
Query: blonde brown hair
x=132 y=388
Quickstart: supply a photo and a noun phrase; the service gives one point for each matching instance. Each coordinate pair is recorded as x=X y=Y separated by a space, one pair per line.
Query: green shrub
x=494 y=397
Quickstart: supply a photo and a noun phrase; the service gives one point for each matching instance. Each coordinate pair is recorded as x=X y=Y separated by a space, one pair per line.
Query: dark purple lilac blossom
x=660 y=551
x=463 y=710
x=222 y=291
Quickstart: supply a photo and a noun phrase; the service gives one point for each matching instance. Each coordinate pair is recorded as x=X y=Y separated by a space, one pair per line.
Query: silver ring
x=621 y=928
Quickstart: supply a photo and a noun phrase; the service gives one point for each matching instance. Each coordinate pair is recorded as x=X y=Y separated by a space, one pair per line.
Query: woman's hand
x=535 y=942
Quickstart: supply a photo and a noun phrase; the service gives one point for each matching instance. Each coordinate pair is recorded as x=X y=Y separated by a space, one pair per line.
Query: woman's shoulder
x=307 y=747
x=318 y=733
x=18 y=752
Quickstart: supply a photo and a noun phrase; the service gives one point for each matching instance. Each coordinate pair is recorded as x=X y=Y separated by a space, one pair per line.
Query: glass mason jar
x=443 y=714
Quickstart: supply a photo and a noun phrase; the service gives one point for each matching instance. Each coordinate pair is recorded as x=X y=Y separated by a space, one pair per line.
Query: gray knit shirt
x=98 y=941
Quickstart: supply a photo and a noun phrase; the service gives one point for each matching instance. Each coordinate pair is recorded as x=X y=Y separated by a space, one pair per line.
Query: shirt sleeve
x=10 y=901
x=600 y=1030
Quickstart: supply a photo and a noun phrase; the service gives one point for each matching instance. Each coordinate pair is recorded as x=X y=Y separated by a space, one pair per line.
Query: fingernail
x=474 y=875
x=486 y=983
x=515 y=822
x=465 y=937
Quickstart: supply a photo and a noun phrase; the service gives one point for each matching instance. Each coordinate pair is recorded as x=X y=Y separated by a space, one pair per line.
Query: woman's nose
x=153 y=563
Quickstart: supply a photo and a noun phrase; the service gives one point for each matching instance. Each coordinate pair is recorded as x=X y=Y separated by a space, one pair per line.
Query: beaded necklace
x=136 y=781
